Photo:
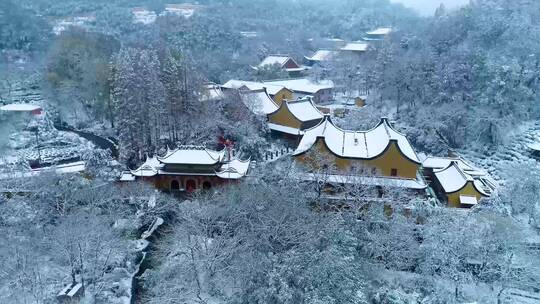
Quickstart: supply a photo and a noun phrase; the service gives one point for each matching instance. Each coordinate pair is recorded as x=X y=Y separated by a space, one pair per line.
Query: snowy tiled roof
x=192 y=155
x=304 y=110
x=303 y=85
x=252 y=85
x=234 y=169
x=149 y=168
x=258 y=102
x=453 y=178
x=20 y=107
x=356 y=144
x=275 y=59
x=381 y=31
x=434 y=162
x=322 y=55
x=356 y=47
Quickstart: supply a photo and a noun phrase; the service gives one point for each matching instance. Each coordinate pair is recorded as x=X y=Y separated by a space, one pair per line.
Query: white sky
x=428 y=7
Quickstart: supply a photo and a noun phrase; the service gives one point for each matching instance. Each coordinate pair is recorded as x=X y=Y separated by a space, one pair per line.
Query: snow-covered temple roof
x=304 y=109
x=303 y=85
x=356 y=47
x=192 y=155
x=258 y=102
x=453 y=179
x=357 y=144
x=381 y=31
x=276 y=59
x=438 y=163
x=321 y=55
x=234 y=169
x=252 y=85
x=149 y=168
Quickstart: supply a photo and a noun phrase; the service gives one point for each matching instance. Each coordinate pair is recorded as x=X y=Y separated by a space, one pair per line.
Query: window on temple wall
x=393 y=172
x=207 y=185
x=175 y=185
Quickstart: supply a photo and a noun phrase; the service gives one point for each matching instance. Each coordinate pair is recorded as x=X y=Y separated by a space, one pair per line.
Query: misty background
x=428 y=7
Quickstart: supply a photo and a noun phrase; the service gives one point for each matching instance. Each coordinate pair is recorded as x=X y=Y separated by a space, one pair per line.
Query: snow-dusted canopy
x=356 y=144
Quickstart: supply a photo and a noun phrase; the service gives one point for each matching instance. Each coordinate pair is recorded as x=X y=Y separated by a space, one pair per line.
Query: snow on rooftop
x=149 y=168
x=534 y=146
x=258 y=102
x=303 y=85
x=437 y=163
x=322 y=55
x=304 y=110
x=274 y=59
x=452 y=178
x=285 y=129
x=234 y=169
x=20 y=107
x=192 y=155
x=356 y=47
x=356 y=144
x=253 y=85
x=381 y=31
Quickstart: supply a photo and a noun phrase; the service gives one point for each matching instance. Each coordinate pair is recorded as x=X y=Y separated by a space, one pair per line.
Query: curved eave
x=482 y=192
x=352 y=157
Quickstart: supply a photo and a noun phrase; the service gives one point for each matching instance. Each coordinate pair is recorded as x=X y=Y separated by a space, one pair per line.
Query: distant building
x=457 y=182
x=22 y=107
x=189 y=168
x=285 y=62
x=277 y=92
x=143 y=16
x=78 y=21
x=183 y=9
x=320 y=56
x=293 y=117
x=378 y=34
x=355 y=48
x=321 y=91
